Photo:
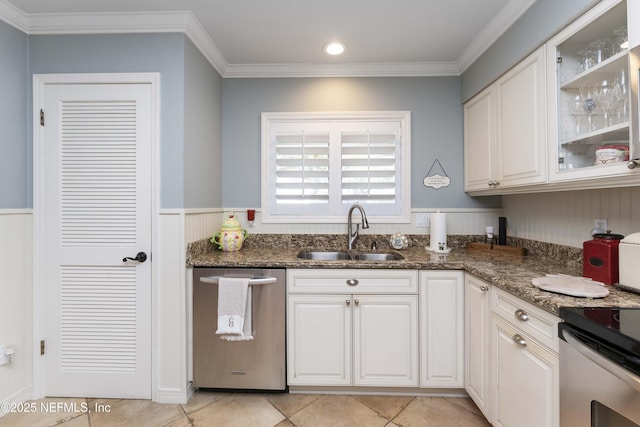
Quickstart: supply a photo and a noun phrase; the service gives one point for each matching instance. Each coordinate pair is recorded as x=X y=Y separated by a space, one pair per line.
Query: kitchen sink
x=378 y=256
x=349 y=256
x=325 y=255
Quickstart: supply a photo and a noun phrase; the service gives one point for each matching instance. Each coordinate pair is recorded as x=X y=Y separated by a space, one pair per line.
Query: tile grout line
x=480 y=415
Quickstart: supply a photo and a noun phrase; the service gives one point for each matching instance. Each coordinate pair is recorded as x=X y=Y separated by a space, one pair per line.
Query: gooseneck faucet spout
x=353 y=235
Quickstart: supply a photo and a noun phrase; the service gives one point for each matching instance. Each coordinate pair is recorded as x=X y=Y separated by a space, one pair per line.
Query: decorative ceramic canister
x=231 y=236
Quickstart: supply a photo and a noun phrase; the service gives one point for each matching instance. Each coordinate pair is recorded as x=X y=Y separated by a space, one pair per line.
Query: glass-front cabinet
x=589 y=99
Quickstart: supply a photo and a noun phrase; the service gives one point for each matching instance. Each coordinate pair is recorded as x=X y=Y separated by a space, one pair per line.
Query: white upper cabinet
x=479 y=137
x=589 y=94
x=505 y=131
x=521 y=124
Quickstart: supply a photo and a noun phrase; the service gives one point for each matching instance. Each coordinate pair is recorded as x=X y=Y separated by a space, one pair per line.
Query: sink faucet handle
x=374 y=246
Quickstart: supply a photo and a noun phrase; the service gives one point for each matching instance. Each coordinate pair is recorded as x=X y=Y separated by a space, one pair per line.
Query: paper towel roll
x=438 y=231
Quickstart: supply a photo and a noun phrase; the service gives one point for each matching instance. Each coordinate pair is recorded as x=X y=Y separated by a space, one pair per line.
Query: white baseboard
x=175 y=396
x=15 y=399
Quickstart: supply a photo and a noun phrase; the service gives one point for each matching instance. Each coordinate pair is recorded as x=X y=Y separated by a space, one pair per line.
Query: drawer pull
x=519 y=339
x=352 y=282
x=522 y=315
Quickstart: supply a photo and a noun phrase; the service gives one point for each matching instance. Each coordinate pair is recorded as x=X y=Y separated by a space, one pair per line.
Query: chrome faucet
x=353 y=235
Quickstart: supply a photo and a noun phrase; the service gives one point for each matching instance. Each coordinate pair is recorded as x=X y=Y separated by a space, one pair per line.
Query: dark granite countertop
x=511 y=273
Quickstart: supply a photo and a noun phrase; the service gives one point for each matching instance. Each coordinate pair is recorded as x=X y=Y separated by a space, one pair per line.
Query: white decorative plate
x=570 y=285
x=399 y=241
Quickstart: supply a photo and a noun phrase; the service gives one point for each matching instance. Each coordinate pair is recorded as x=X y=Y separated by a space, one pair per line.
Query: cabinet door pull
x=522 y=315
x=356 y=301
x=348 y=301
x=484 y=288
x=519 y=339
x=352 y=282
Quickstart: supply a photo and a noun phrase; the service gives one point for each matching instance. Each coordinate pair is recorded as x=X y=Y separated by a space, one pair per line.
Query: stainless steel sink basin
x=349 y=256
x=325 y=255
x=378 y=256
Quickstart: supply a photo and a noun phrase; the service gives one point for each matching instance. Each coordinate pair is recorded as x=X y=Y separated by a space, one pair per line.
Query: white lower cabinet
x=511 y=357
x=345 y=338
x=442 y=329
x=524 y=368
x=477 y=373
x=526 y=379
x=385 y=340
x=319 y=340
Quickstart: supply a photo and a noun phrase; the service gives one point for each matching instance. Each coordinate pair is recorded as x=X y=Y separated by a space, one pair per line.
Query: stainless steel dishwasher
x=258 y=364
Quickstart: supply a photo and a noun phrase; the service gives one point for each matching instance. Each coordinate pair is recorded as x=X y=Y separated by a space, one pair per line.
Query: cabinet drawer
x=533 y=321
x=350 y=281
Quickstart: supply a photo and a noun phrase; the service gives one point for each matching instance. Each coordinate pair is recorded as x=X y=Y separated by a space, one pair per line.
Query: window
x=316 y=165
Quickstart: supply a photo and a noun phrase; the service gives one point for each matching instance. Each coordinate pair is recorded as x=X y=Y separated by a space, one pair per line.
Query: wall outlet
x=601 y=223
x=422 y=220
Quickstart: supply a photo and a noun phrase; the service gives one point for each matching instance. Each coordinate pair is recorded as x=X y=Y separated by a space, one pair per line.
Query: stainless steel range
x=599 y=367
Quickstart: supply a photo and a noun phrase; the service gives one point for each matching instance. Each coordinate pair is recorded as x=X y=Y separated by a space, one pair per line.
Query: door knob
x=140 y=257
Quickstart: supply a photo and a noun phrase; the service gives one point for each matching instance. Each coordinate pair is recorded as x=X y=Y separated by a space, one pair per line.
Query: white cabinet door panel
x=479 y=137
x=477 y=343
x=386 y=340
x=521 y=128
x=441 y=328
x=319 y=335
x=525 y=380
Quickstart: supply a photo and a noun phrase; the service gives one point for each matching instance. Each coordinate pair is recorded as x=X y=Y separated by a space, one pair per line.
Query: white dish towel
x=234 y=309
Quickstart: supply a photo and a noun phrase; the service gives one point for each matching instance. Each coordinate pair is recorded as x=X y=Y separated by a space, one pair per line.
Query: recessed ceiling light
x=335 y=48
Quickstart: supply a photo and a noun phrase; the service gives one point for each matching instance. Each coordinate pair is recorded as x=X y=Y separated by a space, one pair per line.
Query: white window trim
x=404 y=117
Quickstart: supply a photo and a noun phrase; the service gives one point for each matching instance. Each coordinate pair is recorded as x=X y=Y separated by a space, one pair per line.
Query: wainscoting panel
x=170 y=305
x=201 y=224
x=567 y=217
x=459 y=221
x=16 y=304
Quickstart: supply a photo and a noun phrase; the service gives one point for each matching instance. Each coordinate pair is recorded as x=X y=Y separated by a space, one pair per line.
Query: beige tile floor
x=211 y=409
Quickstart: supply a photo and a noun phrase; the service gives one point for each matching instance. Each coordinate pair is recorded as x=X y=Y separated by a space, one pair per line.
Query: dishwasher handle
x=213 y=280
x=629 y=378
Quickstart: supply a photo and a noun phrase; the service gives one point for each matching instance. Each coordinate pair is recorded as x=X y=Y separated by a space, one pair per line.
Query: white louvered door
x=97 y=207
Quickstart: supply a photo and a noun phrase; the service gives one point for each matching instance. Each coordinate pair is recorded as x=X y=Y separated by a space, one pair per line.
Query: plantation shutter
x=370 y=164
x=301 y=167
x=316 y=167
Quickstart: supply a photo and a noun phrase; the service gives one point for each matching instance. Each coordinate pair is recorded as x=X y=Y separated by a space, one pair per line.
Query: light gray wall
x=436 y=117
x=202 y=131
x=112 y=53
x=15 y=159
x=541 y=22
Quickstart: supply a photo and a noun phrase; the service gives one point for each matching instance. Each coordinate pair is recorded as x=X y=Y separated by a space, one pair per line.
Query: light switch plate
x=422 y=220
x=3 y=358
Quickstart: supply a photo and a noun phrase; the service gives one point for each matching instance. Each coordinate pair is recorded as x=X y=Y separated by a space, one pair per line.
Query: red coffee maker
x=600 y=258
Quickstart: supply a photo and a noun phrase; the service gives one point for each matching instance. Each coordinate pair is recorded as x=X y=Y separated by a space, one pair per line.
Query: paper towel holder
x=438 y=241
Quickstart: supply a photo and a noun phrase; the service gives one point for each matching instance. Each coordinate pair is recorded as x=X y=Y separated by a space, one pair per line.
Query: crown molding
x=382 y=69
x=200 y=38
x=14 y=16
x=500 y=23
x=187 y=23
x=108 y=22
